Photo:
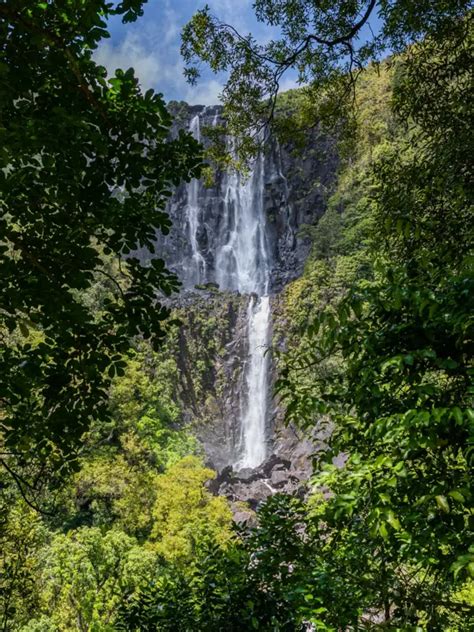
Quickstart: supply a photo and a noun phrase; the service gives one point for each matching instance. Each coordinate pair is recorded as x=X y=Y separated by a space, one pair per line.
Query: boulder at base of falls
x=247 y=489
x=287 y=470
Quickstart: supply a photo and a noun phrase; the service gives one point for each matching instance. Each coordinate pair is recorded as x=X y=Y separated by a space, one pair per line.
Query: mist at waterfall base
x=242 y=264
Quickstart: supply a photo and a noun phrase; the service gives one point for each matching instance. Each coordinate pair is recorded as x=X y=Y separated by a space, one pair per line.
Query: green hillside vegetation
x=378 y=338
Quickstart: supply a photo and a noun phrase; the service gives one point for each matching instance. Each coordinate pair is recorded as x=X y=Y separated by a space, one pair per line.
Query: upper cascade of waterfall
x=242 y=232
x=194 y=268
x=242 y=257
x=242 y=261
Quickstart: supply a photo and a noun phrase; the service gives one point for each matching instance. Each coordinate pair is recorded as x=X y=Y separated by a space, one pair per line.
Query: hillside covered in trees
x=237 y=341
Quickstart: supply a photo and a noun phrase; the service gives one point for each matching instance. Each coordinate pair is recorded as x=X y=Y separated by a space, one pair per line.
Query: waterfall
x=254 y=411
x=242 y=261
x=243 y=264
x=194 y=271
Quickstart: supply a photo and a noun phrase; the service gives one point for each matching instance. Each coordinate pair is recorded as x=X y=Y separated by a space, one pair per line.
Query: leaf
x=393 y=521
x=442 y=503
x=457 y=415
x=456 y=495
x=383 y=530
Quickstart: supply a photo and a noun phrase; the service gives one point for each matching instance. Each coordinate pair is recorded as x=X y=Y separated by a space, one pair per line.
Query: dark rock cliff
x=296 y=185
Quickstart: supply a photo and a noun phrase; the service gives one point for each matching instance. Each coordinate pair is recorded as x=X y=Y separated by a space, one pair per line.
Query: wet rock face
x=287 y=470
x=294 y=194
x=220 y=434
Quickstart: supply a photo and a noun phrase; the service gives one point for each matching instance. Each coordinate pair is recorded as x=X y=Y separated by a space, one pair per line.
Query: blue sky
x=151 y=46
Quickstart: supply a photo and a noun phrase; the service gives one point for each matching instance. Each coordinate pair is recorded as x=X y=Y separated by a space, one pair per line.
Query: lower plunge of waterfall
x=252 y=444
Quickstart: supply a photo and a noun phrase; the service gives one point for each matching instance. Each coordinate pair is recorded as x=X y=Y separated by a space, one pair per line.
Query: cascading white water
x=254 y=413
x=195 y=272
x=242 y=264
x=242 y=261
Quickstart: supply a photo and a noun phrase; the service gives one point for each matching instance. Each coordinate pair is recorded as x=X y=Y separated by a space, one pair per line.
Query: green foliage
x=146 y=414
x=124 y=528
x=185 y=513
x=86 y=574
x=22 y=535
x=107 y=491
x=258 y=582
x=391 y=360
x=86 y=164
x=378 y=330
x=124 y=456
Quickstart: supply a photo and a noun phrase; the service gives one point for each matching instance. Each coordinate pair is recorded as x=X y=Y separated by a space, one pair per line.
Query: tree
x=86 y=574
x=86 y=167
x=260 y=580
x=22 y=535
x=328 y=45
x=399 y=521
x=185 y=512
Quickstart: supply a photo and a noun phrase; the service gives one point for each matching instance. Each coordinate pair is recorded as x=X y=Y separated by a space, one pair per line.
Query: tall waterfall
x=254 y=412
x=242 y=264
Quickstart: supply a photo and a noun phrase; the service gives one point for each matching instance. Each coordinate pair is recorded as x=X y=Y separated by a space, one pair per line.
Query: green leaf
x=458 y=416
x=393 y=521
x=442 y=503
x=383 y=530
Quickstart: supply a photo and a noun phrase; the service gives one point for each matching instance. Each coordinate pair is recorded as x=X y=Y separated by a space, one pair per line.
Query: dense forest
x=236 y=363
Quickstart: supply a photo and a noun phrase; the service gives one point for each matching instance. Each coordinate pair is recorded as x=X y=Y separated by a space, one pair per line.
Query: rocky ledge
x=248 y=488
x=287 y=470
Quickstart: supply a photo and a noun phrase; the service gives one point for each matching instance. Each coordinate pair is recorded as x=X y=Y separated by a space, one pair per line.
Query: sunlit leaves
x=391 y=356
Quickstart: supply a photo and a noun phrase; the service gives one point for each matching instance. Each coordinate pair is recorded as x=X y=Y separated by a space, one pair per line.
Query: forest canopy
x=87 y=165
x=326 y=45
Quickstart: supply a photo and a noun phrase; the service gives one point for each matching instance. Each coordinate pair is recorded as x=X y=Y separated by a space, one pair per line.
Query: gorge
x=234 y=402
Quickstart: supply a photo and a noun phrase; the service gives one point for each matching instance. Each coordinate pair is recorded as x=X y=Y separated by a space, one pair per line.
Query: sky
x=151 y=46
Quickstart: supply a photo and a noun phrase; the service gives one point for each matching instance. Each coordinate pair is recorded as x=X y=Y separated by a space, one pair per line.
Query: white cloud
x=131 y=52
x=152 y=47
x=153 y=71
x=205 y=93
x=235 y=12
